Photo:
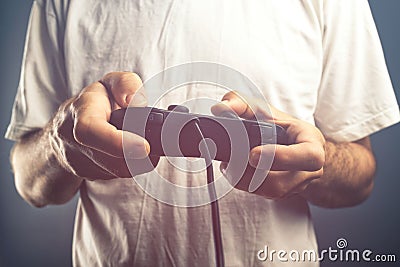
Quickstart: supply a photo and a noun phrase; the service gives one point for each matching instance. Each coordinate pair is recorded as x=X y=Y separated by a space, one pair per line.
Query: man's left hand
x=294 y=166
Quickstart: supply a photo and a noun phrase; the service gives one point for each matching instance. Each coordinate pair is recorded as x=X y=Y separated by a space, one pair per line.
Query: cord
x=216 y=224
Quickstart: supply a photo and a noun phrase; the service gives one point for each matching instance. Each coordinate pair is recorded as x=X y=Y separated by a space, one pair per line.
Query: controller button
x=156 y=117
x=178 y=108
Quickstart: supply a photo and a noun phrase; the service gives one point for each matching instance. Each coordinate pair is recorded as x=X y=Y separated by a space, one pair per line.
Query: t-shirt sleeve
x=356 y=96
x=42 y=86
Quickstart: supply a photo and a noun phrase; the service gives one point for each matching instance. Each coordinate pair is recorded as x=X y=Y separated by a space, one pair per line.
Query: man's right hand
x=86 y=144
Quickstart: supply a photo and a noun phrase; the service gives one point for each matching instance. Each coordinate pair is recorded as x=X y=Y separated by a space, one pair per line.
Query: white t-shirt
x=320 y=61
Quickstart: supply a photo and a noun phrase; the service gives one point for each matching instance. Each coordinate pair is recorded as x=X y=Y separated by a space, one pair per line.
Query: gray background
x=42 y=237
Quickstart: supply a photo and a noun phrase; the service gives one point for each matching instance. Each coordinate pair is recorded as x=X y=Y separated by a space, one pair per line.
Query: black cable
x=216 y=224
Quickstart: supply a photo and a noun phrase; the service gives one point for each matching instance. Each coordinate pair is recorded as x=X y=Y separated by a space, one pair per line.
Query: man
x=319 y=61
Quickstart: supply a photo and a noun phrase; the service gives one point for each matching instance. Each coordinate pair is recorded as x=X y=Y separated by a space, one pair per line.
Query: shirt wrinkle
x=139 y=228
x=275 y=44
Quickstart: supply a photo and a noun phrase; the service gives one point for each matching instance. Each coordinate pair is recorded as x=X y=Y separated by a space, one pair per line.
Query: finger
x=305 y=156
x=248 y=108
x=276 y=184
x=98 y=134
x=82 y=165
x=118 y=167
x=232 y=102
x=282 y=184
x=126 y=88
x=91 y=112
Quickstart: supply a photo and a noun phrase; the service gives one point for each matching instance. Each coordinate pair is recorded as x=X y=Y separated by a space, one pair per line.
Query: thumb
x=233 y=102
x=126 y=88
x=248 y=108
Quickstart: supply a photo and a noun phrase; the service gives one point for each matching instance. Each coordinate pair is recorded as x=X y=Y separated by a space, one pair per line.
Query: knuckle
x=229 y=94
x=115 y=141
x=316 y=159
x=275 y=189
x=279 y=193
x=320 y=159
x=79 y=103
x=107 y=77
x=283 y=159
x=126 y=80
x=232 y=95
x=134 y=76
x=116 y=80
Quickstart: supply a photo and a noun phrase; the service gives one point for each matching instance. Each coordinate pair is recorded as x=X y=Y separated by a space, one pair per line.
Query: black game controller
x=173 y=132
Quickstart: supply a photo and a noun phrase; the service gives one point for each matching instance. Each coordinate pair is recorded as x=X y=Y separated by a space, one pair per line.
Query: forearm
x=348 y=175
x=39 y=177
x=79 y=143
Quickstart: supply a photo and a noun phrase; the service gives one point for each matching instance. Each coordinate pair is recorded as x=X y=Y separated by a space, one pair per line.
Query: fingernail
x=137 y=151
x=254 y=159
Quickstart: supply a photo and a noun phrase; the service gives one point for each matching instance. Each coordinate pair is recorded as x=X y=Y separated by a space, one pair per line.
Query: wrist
x=59 y=136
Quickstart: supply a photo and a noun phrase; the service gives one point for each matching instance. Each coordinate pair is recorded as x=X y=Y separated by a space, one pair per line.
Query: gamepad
x=173 y=132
